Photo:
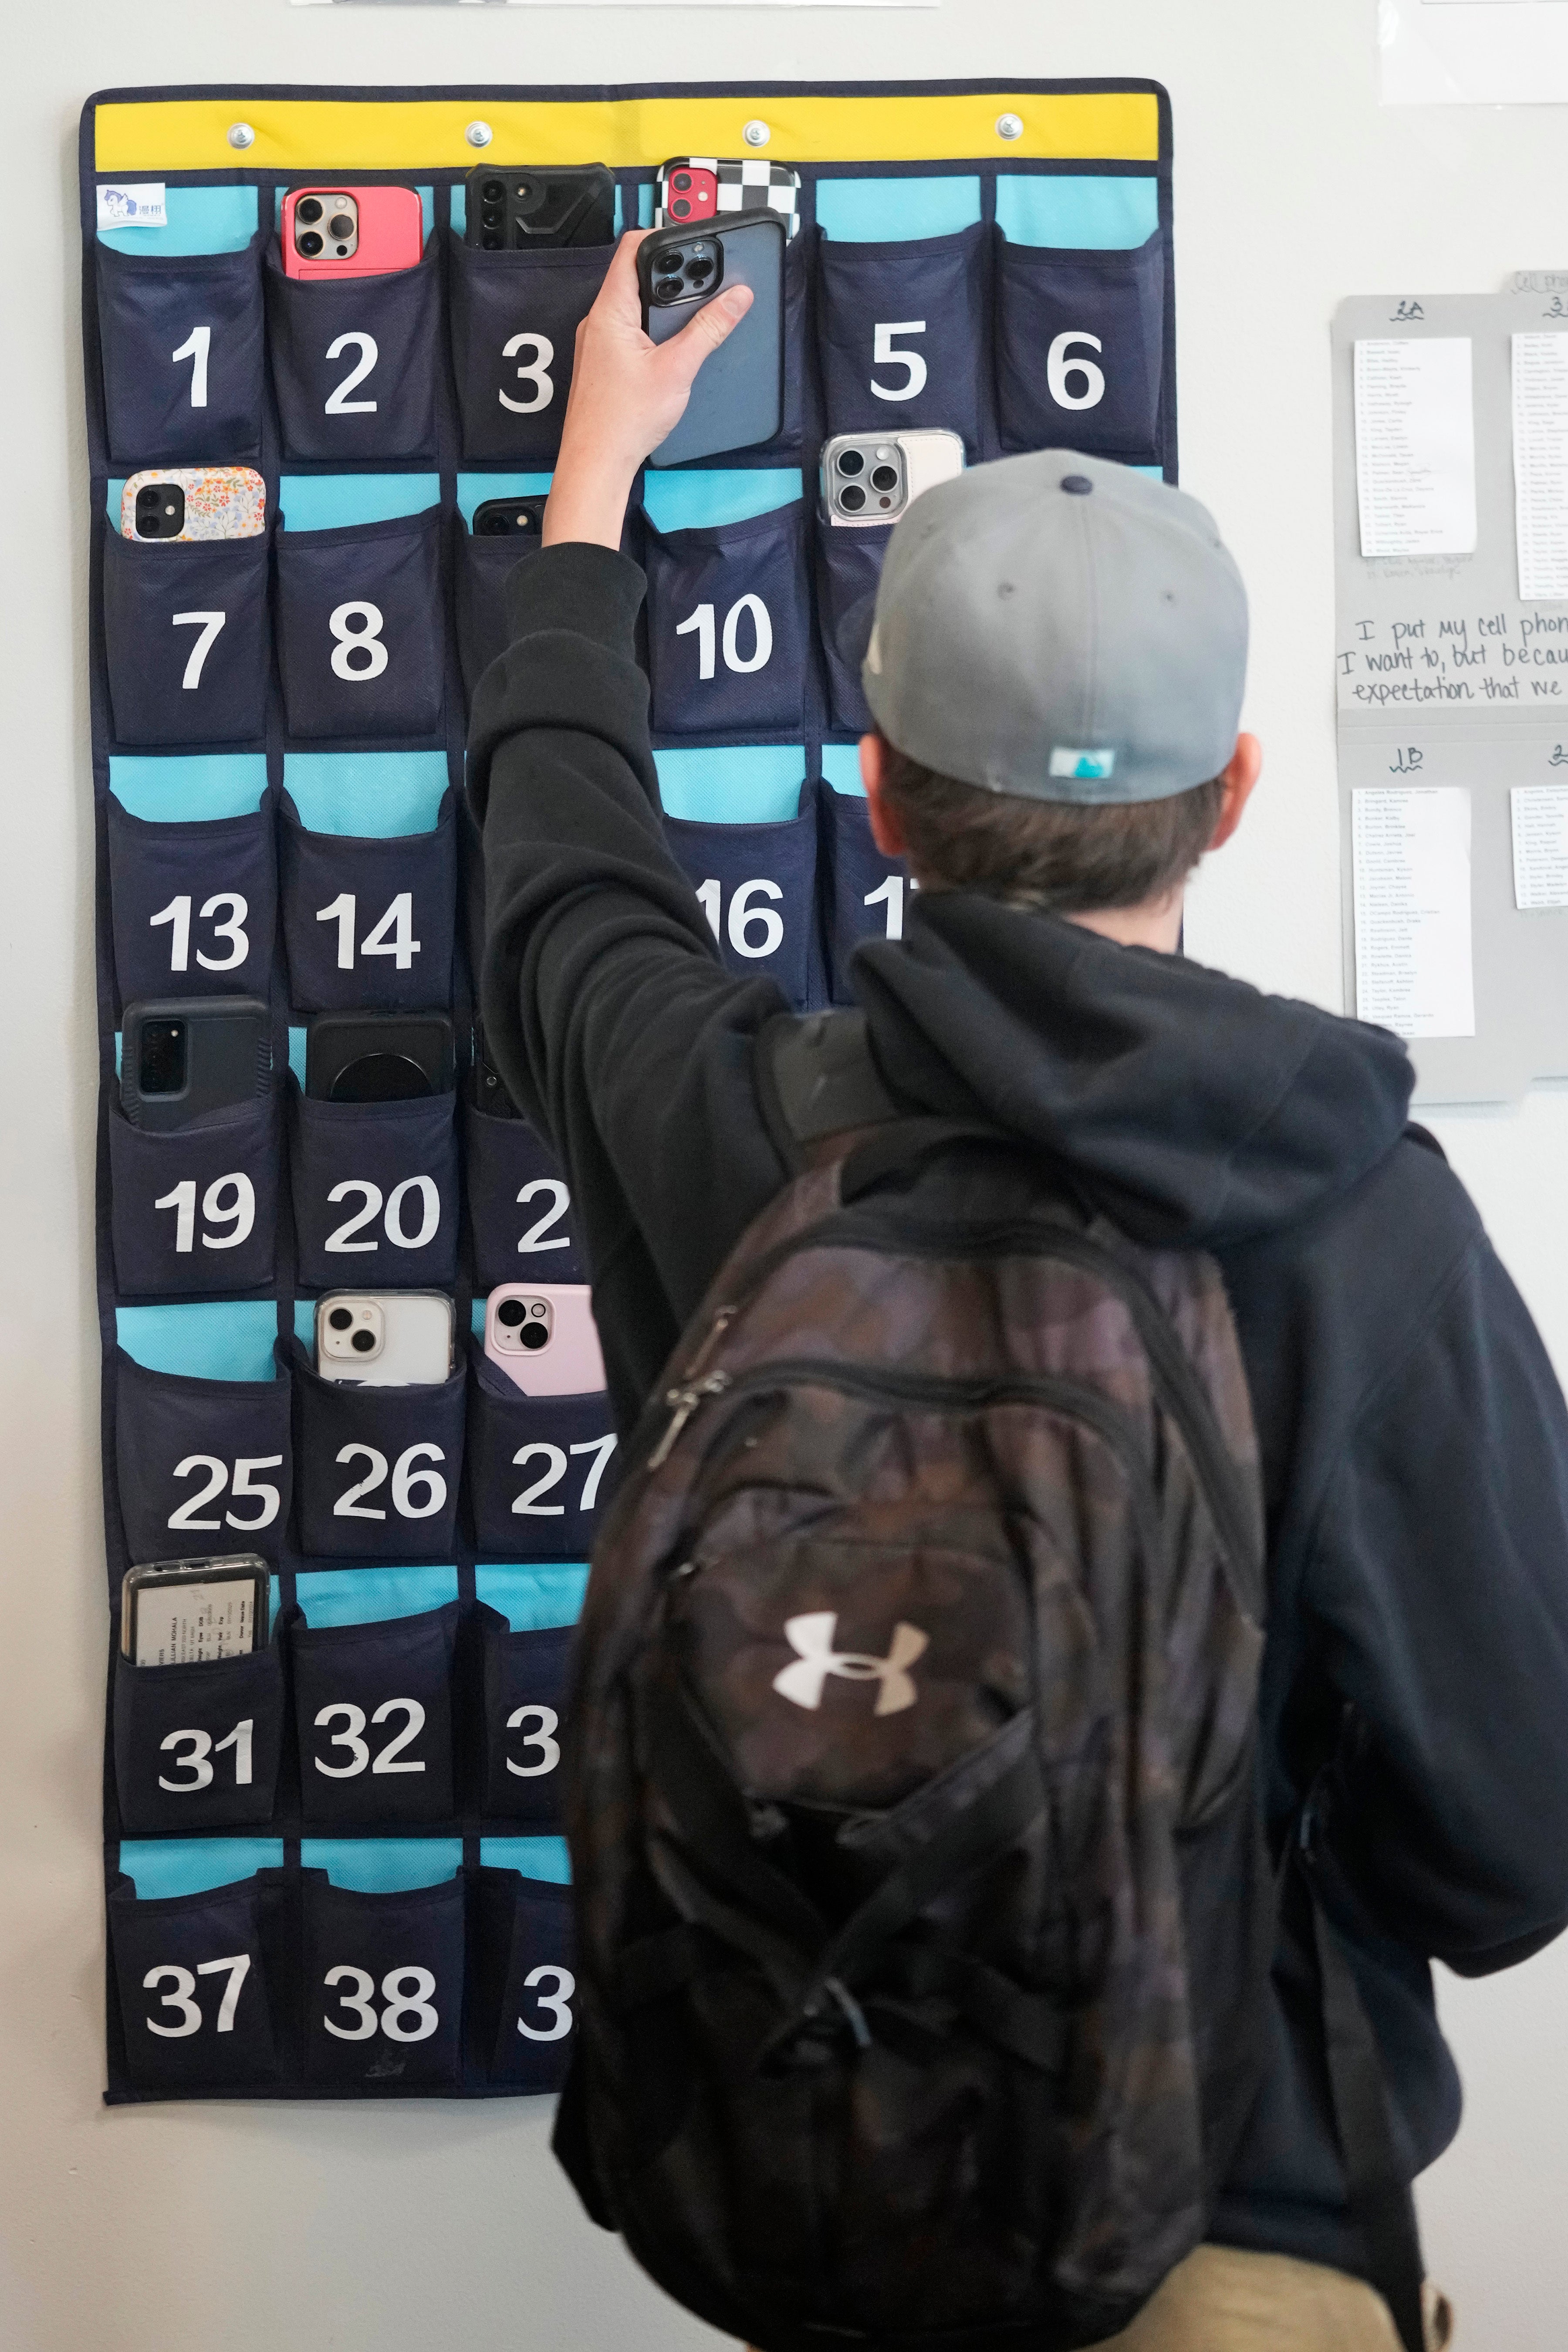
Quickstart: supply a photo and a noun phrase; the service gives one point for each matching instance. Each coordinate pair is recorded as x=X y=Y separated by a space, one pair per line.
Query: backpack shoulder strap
x=824 y=1098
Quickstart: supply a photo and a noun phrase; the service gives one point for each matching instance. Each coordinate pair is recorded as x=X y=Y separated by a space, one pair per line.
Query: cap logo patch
x=1088 y=765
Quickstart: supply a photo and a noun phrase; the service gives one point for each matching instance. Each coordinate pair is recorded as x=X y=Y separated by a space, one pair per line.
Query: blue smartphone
x=738 y=397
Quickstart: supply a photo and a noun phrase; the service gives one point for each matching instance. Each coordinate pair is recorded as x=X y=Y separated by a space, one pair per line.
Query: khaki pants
x=1220 y=2300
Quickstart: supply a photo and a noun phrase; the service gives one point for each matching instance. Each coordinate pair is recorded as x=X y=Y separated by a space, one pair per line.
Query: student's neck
x=1155 y=924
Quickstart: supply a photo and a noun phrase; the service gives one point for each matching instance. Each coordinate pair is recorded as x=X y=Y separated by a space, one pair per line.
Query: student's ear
x=886 y=831
x=1245 y=767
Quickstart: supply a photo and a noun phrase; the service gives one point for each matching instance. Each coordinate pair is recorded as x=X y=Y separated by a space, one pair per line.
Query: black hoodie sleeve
x=612 y=1022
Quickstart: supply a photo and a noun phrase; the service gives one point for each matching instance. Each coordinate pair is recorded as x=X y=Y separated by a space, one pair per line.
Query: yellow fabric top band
x=377 y=135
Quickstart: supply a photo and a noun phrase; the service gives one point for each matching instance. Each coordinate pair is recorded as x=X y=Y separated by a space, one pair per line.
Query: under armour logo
x=812 y=1640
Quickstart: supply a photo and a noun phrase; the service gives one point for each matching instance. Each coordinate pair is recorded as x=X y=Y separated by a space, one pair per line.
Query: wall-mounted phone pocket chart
x=323 y=402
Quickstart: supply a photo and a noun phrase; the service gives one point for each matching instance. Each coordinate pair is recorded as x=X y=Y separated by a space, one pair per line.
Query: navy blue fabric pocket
x=375 y=1191
x=196 y=1747
x=377 y=1470
x=727 y=625
x=483 y=567
x=519 y=1206
x=524 y=1981
x=354 y=359
x=525 y=1700
x=1079 y=339
x=194 y=1209
x=184 y=636
x=368 y=921
x=540 y=1468
x=757 y=886
x=373 y=1704
x=384 y=1985
x=848 y=567
x=194 y=906
x=901 y=331
x=200 y=1466
x=360 y=629
x=180 y=336
x=197 y=1978
x=514 y=329
x=870 y=892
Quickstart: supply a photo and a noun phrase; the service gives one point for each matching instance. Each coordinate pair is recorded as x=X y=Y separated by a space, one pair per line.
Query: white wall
x=342 y=2229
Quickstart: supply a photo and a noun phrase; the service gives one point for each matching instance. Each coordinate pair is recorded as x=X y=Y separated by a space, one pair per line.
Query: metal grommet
x=1009 y=126
x=479 y=134
x=757 y=135
x=240 y=134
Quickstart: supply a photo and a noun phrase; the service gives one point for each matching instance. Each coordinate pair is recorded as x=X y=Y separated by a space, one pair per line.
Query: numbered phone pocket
x=185 y=639
x=757 y=886
x=196 y=1747
x=850 y=565
x=471 y=882
x=901 y=331
x=869 y=893
x=525 y=1980
x=368 y=921
x=515 y=318
x=373 y=1705
x=484 y=567
x=194 y=1209
x=360 y=636
x=727 y=625
x=525 y=1703
x=194 y=906
x=377 y=1469
x=376 y=1193
x=354 y=359
x=181 y=337
x=201 y=1466
x=539 y=1467
x=519 y=1206
x=199 y=1977
x=384 y=1985
x=1080 y=338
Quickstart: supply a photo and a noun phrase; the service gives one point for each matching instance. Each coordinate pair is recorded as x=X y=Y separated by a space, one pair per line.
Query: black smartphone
x=187 y=1613
x=486 y=1091
x=183 y=1055
x=378 y=1057
x=738 y=397
x=524 y=207
x=510 y=518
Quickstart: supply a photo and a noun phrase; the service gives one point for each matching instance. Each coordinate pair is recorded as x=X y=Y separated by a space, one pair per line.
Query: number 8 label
x=356 y=628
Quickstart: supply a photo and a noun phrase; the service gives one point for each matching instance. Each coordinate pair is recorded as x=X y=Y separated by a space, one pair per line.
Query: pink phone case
x=572 y=1364
x=390 y=232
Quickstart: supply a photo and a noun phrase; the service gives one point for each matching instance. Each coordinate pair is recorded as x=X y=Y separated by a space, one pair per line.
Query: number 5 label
x=886 y=353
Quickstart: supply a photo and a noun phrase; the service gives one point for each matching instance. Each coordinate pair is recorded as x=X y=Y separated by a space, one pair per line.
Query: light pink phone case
x=572 y=1364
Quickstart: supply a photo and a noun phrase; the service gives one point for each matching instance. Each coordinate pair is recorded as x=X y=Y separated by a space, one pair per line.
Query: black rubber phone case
x=334 y=1042
x=228 y=1058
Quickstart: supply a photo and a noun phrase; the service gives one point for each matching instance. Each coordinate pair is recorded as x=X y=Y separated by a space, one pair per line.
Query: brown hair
x=1052 y=853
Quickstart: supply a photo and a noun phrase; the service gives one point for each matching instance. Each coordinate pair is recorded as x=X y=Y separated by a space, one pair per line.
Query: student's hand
x=627 y=393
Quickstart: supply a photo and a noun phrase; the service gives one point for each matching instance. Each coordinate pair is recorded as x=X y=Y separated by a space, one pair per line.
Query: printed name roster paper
x=1474 y=52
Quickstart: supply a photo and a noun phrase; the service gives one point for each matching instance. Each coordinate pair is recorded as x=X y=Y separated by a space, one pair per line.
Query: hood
x=1191 y=1108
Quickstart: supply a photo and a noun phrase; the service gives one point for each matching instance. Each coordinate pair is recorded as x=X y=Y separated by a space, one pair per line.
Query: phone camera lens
x=341 y=1318
x=534 y=1335
x=511 y=1312
x=699 y=271
x=310 y=244
x=850 y=461
x=309 y=208
x=851 y=498
x=494 y=192
x=884 y=477
x=340 y=224
x=364 y=1343
x=681 y=208
x=681 y=180
x=668 y=289
x=491 y=240
x=493 y=216
x=538 y=1308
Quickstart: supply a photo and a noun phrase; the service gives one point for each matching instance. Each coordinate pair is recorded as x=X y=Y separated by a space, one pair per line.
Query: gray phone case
x=738 y=397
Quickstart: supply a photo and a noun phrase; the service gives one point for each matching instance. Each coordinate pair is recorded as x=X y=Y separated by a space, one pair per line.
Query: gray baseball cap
x=1062 y=628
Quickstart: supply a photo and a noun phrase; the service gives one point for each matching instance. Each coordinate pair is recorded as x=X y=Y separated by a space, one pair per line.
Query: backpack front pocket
x=195 y=1209
x=375 y=1191
x=727 y=625
x=515 y=318
x=519 y=1206
x=525 y=1700
x=378 y=1469
x=181 y=337
x=539 y=1467
x=193 y=905
x=373 y=1704
x=197 y=1980
x=185 y=640
x=1079 y=348
x=384 y=1985
x=368 y=920
x=901 y=329
x=360 y=635
x=757 y=886
x=525 y=1980
x=354 y=359
x=196 y=1747
x=200 y=1466
x=869 y=893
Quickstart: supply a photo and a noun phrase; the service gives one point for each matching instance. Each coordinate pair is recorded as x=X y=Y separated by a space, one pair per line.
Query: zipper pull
x=716 y=1331
x=683 y=1403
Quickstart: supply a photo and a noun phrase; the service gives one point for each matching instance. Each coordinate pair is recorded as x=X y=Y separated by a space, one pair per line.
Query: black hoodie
x=1414 y=1437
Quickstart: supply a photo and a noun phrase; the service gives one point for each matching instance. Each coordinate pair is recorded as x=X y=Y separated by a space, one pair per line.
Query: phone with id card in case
x=542 y=1336
x=874 y=478
x=386 y=1338
x=737 y=399
x=186 y=1612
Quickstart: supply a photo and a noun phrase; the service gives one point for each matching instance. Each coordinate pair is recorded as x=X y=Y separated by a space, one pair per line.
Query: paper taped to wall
x=1538 y=814
x=1411 y=866
x=1415 y=446
x=1540 y=465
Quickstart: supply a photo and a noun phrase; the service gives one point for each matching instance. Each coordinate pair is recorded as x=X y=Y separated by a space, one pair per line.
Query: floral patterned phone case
x=184 y=502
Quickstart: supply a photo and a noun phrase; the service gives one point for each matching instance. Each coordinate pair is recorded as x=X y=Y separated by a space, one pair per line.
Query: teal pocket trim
x=223 y=1339
x=304 y=1308
x=841 y=768
x=208 y=786
x=427 y=200
x=1103 y=215
x=536 y=1857
x=113 y=491
x=366 y=794
x=201 y=220
x=700 y=501
x=162 y=1867
x=459 y=211
x=473 y=489
x=1155 y=473
x=646 y=207
x=892 y=211
x=756 y=784
x=533 y=1600
x=384 y=1865
x=325 y=501
x=373 y=1596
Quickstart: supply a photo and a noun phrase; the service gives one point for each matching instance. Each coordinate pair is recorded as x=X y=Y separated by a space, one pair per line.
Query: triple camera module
x=326 y=222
